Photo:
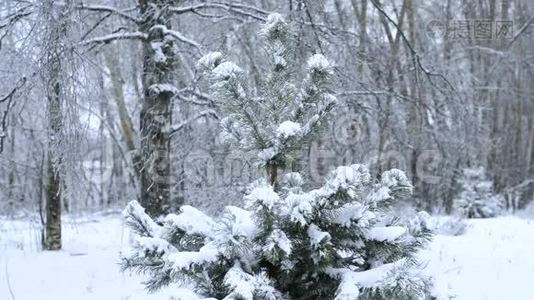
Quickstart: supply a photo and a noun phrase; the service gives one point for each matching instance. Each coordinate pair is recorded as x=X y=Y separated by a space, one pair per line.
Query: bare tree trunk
x=272 y=174
x=40 y=199
x=416 y=118
x=53 y=208
x=124 y=115
x=118 y=91
x=12 y=169
x=53 y=190
x=156 y=114
x=57 y=29
x=530 y=144
x=390 y=79
x=102 y=137
x=362 y=20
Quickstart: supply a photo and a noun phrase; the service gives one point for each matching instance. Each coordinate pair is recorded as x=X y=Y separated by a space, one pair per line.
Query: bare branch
x=14 y=17
x=11 y=19
x=239 y=9
x=177 y=35
x=415 y=55
x=521 y=30
x=525 y=183
x=115 y=36
x=205 y=113
x=95 y=25
x=107 y=9
x=195 y=97
x=3 y=120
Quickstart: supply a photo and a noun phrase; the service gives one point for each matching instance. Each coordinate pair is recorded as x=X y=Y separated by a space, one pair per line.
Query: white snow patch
x=346 y=178
x=350 y=212
x=210 y=61
x=240 y=283
x=395 y=177
x=273 y=23
x=160 y=88
x=86 y=269
x=159 y=56
x=299 y=207
x=316 y=235
x=319 y=63
x=226 y=70
x=267 y=153
x=351 y=281
x=187 y=259
x=383 y=234
x=278 y=238
x=242 y=224
x=135 y=209
x=158 y=245
x=288 y=129
x=264 y=195
x=192 y=221
x=493 y=260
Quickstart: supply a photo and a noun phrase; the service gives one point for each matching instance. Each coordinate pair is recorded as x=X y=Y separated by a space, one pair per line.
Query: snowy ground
x=494 y=259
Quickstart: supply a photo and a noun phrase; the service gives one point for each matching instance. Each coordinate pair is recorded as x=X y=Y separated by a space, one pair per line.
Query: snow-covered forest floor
x=493 y=259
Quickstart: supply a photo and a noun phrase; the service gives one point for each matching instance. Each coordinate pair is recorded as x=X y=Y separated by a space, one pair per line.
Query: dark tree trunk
x=272 y=174
x=156 y=114
x=54 y=48
x=53 y=190
x=53 y=209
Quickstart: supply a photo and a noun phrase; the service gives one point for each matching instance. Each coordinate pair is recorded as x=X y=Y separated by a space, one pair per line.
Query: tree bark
x=53 y=190
x=362 y=21
x=128 y=131
x=272 y=174
x=156 y=114
x=57 y=26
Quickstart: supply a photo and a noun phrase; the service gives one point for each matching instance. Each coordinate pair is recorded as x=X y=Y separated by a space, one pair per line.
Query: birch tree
x=57 y=23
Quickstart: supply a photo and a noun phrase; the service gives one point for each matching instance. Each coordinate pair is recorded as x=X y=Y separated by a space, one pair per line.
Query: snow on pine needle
x=334 y=242
x=286 y=111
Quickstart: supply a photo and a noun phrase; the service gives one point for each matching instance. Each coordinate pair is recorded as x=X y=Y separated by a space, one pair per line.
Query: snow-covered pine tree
x=477 y=198
x=285 y=114
x=335 y=242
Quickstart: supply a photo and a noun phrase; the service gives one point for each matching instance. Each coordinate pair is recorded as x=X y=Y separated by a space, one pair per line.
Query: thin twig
x=415 y=55
x=3 y=120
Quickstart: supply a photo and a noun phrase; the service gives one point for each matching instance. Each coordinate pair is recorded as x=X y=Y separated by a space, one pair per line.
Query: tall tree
x=160 y=51
x=159 y=65
x=56 y=23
